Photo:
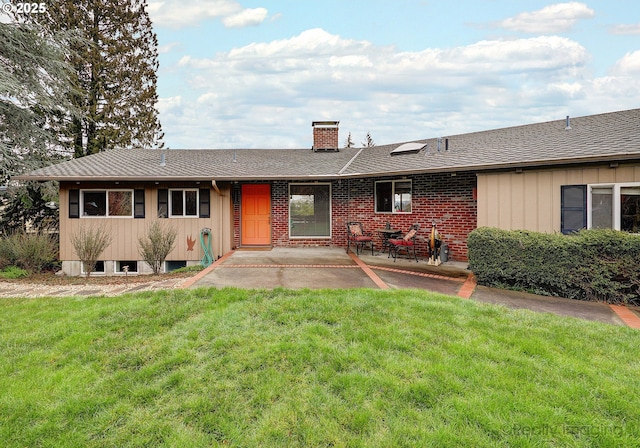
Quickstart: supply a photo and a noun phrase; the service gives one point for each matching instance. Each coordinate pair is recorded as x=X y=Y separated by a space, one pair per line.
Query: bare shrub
x=34 y=252
x=89 y=241
x=158 y=243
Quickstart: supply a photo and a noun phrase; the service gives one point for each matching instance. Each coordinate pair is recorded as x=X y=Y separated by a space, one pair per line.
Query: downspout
x=215 y=187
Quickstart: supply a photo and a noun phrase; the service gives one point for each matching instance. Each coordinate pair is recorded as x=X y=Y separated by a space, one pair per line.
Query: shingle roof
x=603 y=137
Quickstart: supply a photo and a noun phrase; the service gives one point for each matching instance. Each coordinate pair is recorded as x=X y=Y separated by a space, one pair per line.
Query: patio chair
x=406 y=243
x=357 y=236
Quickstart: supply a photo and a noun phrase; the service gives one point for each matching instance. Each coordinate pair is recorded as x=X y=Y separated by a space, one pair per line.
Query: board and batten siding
x=531 y=200
x=126 y=231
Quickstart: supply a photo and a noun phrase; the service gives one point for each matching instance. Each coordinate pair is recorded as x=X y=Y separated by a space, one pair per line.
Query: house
x=556 y=176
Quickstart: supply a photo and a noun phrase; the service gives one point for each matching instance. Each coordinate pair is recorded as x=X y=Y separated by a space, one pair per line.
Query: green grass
x=231 y=367
x=11 y=272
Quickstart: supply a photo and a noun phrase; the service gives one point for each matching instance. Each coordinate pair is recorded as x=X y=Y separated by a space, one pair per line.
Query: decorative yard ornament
x=434 y=247
x=190 y=243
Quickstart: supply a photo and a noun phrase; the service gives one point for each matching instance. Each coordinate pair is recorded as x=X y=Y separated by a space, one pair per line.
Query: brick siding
x=325 y=138
x=441 y=198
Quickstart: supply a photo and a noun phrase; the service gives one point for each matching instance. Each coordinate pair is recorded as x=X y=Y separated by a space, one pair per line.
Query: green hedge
x=596 y=265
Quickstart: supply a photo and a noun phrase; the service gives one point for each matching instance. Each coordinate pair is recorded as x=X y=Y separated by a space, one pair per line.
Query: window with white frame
x=393 y=196
x=126 y=267
x=601 y=206
x=310 y=210
x=107 y=203
x=98 y=269
x=183 y=202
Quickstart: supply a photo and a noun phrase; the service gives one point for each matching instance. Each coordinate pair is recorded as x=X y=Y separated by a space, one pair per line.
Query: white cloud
x=267 y=94
x=166 y=105
x=629 y=65
x=182 y=13
x=622 y=29
x=555 y=18
x=163 y=49
x=247 y=17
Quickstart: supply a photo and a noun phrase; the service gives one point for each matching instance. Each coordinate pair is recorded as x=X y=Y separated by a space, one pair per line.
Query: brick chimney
x=325 y=135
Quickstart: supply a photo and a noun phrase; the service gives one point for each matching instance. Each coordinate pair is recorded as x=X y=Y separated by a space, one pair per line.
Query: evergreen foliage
x=34 y=82
x=596 y=265
x=349 y=142
x=114 y=72
x=31 y=203
x=368 y=141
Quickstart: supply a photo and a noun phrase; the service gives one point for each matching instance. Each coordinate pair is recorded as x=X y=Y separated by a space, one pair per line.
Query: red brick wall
x=325 y=138
x=448 y=201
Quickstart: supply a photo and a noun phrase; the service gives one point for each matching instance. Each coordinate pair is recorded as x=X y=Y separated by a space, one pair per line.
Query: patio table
x=386 y=235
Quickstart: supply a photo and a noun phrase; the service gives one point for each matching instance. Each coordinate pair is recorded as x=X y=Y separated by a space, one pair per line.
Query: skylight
x=409 y=148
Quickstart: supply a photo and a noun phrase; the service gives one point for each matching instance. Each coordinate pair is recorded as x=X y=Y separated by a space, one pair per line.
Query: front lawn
x=230 y=367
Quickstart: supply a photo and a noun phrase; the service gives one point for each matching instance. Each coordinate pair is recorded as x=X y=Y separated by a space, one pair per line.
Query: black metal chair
x=357 y=236
x=407 y=243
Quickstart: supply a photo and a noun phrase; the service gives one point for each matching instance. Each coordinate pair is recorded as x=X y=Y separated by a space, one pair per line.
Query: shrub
x=599 y=265
x=157 y=245
x=34 y=252
x=13 y=272
x=89 y=241
x=192 y=268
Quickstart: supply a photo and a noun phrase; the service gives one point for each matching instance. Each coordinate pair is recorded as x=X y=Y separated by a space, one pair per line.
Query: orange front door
x=256 y=214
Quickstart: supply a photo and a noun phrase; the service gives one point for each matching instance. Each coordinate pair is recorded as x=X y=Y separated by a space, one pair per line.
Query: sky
x=256 y=73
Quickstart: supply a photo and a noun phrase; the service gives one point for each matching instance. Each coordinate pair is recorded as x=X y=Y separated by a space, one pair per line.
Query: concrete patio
x=322 y=267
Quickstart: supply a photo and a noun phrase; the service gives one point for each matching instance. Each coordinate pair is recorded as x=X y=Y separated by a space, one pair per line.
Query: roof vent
x=163 y=159
x=408 y=148
x=446 y=144
x=568 y=125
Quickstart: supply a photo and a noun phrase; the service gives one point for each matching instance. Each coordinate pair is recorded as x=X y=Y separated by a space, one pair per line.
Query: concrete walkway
x=332 y=268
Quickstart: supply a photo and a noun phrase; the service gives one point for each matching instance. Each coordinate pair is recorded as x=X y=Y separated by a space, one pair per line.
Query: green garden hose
x=207 y=259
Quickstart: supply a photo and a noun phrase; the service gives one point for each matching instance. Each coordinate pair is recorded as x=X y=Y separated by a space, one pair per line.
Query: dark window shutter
x=573 y=208
x=74 y=203
x=205 y=203
x=138 y=203
x=163 y=203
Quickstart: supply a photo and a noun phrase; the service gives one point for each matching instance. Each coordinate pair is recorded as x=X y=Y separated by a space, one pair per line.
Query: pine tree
x=35 y=82
x=349 y=142
x=368 y=141
x=115 y=72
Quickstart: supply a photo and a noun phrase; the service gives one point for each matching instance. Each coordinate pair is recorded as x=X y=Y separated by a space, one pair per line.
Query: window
x=106 y=203
x=310 y=210
x=601 y=206
x=99 y=269
x=573 y=205
x=126 y=267
x=630 y=209
x=170 y=266
x=190 y=202
x=393 y=196
x=183 y=202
